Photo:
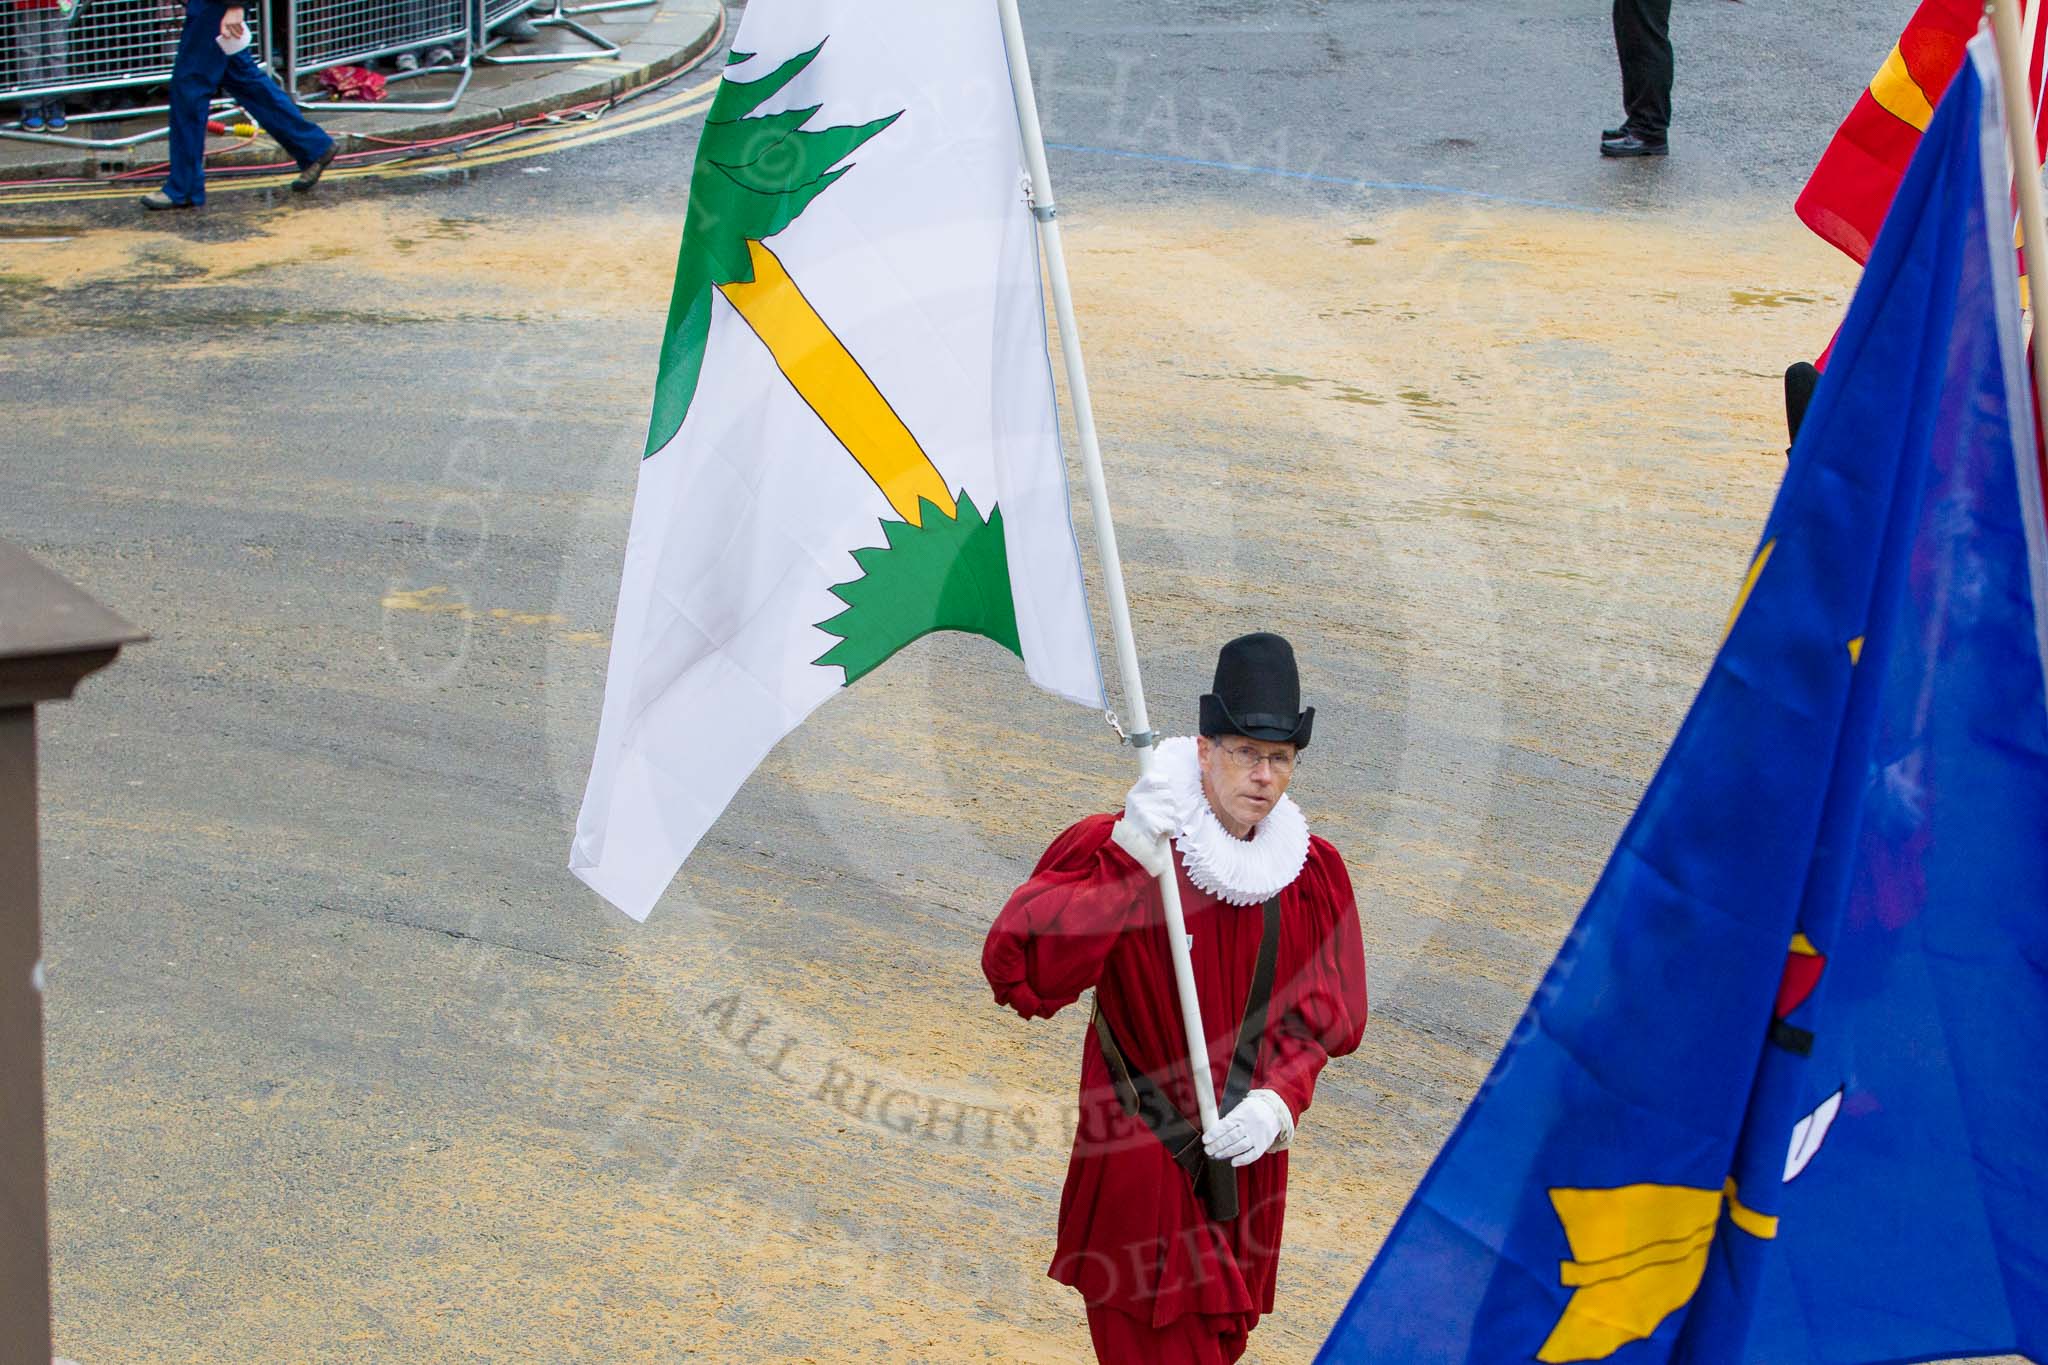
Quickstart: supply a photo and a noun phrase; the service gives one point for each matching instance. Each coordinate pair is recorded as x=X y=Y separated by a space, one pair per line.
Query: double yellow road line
x=632 y=118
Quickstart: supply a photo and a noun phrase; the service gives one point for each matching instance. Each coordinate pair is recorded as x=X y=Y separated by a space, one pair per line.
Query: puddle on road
x=1769 y=298
x=40 y=234
x=1424 y=407
x=243 y=319
x=1333 y=389
x=22 y=289
x=319 y=251
x=440 y=230
x=1420 y=404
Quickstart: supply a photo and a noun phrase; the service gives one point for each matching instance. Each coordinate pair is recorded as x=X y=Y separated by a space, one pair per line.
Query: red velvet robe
x=1132 y=1234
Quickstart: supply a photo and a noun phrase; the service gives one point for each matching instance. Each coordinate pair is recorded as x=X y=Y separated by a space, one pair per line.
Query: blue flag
x=1783 y=1096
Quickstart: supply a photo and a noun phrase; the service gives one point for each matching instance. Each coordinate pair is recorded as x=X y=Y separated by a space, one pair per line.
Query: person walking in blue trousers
x=204 y=66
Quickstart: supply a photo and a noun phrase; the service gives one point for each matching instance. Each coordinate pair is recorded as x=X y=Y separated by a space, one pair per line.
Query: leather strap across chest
x=1215 y=1181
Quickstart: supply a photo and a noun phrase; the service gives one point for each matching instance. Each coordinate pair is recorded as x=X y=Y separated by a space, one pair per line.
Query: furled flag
x=1852 y=185
x=854 y=440
x=1779 y=1098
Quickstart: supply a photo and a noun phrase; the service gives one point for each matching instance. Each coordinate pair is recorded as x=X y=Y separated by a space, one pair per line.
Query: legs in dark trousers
x=195 y=75
x=201 y=69
x=267 y=103
x=1642 y=35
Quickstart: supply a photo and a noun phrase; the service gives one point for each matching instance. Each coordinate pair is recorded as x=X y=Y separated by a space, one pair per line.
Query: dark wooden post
x=51 y=636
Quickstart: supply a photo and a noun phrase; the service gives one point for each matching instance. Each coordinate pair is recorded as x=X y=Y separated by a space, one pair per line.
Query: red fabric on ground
x=353 y=83
x=1132 y=1235
x=1121 y=1339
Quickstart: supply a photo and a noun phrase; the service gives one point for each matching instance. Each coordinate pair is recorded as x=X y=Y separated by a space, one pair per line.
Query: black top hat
x=1258 y=693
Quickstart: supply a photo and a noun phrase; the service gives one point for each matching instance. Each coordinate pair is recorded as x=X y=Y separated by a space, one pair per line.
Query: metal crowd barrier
x=609 y=4
x=97 y=46
x=492 y=13
x=496 y=12
x=319 y=34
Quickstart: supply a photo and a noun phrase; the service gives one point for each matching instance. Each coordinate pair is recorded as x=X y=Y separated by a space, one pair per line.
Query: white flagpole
x=1042 y=207
x=2030 y=31
x=2013 y=60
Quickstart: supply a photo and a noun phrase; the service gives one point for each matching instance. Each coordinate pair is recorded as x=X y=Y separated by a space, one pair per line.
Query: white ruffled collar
x=1233 y=870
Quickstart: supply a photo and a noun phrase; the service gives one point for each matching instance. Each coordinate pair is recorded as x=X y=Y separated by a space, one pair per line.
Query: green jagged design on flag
x=753 y=177
x=949 y=574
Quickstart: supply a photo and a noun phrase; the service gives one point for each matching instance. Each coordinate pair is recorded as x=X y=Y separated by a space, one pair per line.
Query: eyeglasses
x=1245 y=758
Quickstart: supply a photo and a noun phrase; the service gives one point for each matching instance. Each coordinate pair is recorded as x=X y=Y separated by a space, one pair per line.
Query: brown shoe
x=157 y=199
x=309 y=176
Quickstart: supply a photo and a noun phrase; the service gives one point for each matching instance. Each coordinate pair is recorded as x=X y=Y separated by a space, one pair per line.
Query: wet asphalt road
x=1501 y=100
x=344 y=1066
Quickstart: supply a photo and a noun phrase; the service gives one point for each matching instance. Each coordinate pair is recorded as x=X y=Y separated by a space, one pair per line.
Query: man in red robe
x=1169 y=1270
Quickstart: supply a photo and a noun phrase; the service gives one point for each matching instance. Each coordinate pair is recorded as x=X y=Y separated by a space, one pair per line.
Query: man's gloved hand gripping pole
x=1153 y=815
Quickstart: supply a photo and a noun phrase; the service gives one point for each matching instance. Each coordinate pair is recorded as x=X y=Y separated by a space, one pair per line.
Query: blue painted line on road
x=1405 y=186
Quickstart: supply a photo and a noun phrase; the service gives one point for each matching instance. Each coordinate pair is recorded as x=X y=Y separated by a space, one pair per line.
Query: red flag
x=1846 y=197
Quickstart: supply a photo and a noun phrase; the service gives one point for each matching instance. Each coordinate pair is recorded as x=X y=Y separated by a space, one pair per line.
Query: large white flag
x=854 y=440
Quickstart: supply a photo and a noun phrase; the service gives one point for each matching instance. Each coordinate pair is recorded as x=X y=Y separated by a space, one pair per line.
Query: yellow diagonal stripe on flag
x=1756 y=571
x=1894 y=88
x=832 y=382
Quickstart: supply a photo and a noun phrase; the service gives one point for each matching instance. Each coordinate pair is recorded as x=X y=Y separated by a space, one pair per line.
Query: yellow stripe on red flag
x=1898 y=94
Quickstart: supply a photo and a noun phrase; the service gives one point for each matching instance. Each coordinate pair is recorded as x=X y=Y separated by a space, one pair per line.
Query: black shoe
x=1614 y=134
x=309 y=176
x=1801 y=379
x=1628 y=144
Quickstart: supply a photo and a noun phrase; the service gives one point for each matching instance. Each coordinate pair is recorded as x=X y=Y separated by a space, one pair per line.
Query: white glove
x=1258 y=1125
x=1150 y=819
x=1149 y=851
x=1152 y=808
